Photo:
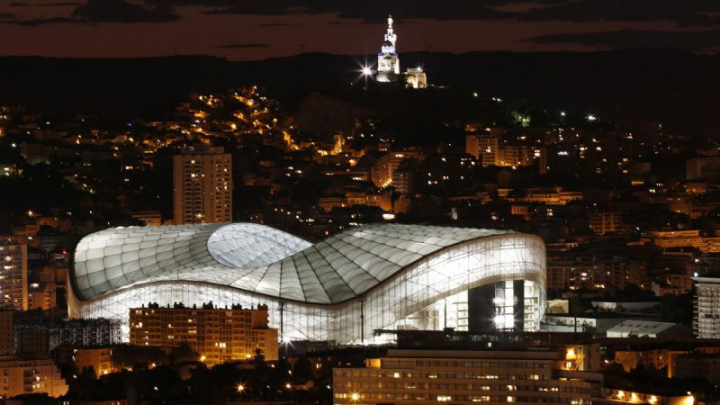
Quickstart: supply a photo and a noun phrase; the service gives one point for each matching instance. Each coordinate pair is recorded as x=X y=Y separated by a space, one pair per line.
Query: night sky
x=245 y=30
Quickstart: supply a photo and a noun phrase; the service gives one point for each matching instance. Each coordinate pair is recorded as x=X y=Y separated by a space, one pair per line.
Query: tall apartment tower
x=707 y=307
x=603 y=223
x=202 y=181
x=484 y=147
x=13 y=276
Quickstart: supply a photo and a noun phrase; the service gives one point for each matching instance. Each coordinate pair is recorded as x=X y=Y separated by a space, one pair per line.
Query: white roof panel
x=257 y=258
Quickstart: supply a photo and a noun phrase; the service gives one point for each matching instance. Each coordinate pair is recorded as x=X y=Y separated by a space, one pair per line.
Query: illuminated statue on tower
x=388 y=61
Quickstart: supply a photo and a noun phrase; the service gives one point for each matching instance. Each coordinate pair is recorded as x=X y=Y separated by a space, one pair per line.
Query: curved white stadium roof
x=257 y=258
x=343 y=288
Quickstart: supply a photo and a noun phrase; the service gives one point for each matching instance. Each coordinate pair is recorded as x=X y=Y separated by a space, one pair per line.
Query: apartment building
x=217 y=334
x=202 y=187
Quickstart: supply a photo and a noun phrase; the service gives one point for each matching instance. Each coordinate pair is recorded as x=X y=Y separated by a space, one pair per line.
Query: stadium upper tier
x=258 y=259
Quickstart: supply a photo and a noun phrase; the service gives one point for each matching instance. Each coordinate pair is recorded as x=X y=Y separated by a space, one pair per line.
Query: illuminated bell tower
x=388 y=61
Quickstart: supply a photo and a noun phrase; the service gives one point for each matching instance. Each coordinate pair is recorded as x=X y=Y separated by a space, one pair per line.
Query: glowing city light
x=366 y=71
x=591 y=117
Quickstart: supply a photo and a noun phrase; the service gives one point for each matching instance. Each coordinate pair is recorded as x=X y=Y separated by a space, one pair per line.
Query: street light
x=355 y=396
x=366 y=73
x=240 y=388
x=591 y=117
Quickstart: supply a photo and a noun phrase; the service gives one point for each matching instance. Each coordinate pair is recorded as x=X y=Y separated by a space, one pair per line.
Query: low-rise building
x=609 y=222
x=553 y=196
x=657 y=358
x=97 y=358
x=683 y=238
x=637 y=328
x=30 y=376
x=465 y=377
x=41 y=296
x=596 y=323
x=698 y=365
x=43 y=338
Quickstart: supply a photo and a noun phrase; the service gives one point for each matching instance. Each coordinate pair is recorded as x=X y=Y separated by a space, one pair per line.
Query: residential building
x=403 y=179
x=703 y=168
x=30 y=376
x=99 y=358
x=657 y=358
x=466 y=377
x=707 y=307
x=43 y=338
x=683 y=238
x=484 y=147
x=606 y=222
x=41 y=296
x=217 y=334
x=553 y=196
x=575 y=272
x=385 y=166
x=202 y=184
x=698 y=365
x=13 y=275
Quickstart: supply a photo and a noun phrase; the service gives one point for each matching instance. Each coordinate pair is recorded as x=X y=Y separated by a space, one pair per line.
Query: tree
x=303 y=369
x=183 y=354
x=261 y=374
x=132 y=356
x=676 y=308
x=88 y=373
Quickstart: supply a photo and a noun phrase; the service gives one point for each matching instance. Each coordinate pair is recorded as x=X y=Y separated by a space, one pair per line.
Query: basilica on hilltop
x=388 y=67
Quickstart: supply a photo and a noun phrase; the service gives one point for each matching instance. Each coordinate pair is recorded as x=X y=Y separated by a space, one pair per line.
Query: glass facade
x=341 y=289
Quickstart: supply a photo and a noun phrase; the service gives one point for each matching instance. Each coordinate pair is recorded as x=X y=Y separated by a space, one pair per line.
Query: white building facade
x=707 y=307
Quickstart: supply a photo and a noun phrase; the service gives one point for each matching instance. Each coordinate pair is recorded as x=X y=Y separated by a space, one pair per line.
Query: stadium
x=367 y=278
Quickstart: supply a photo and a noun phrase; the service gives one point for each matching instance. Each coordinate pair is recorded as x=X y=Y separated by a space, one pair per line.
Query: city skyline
x=403 y=219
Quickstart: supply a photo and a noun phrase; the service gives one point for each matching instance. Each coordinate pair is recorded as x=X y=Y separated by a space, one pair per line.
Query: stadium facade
x=384 y=276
